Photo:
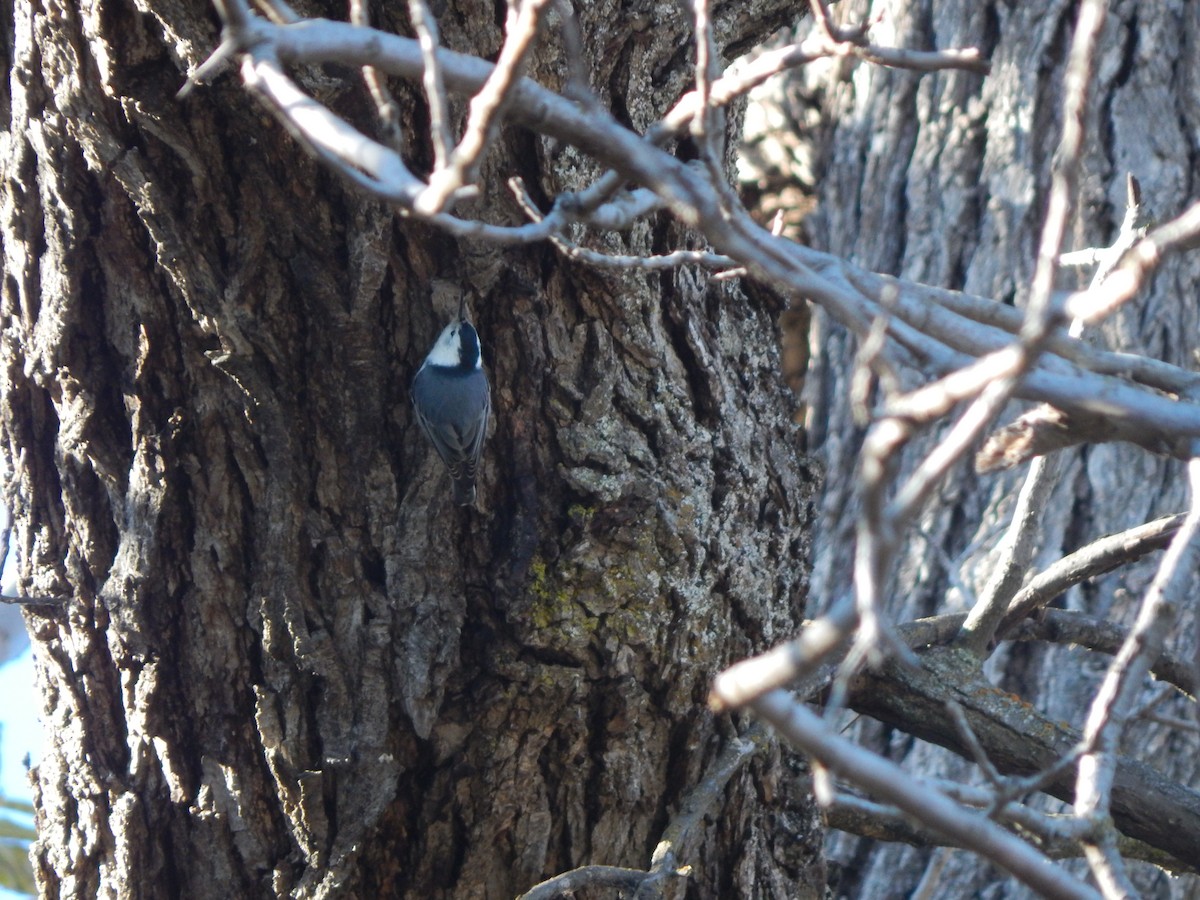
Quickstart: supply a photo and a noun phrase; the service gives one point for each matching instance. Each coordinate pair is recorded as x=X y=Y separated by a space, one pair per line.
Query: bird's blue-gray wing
x=456 y=433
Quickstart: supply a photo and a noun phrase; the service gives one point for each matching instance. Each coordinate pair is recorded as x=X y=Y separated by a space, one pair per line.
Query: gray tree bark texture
x=288 y=666
x=943 y=178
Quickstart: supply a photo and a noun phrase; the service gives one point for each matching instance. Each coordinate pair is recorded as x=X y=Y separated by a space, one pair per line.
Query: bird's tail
x=464 y=491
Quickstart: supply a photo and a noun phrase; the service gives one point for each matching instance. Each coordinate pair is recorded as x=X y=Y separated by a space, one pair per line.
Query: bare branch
x=1016 y=554
x=585 y=876
x=746 y=75
x=1181 y=233
x=952 y=318
x=618 y=261
x=833 y=32
x=374 y=167
x=578 y=87
x=1108 y=868
x=1019 y=740
x=1173 y=722
x=993 y=379
x=705 y=126
x=34 y=601
x=887 y=823
x=1039 y=432
x=871 y=363
x=1100 y=556
x=279 y=11
x=744 y=681
x=665 y=861
x=486 y=108
x=1057 y=626
x=5 y=537
x=1078 y=258
x=819 y=641
x=700 y=800
x=990 y=381
x=1161 y=423
x=884 y=779
x=425 y=26
x=972 y=743
x=968 y=59
x=1063 y=626
x=385 y=104
x=1064 y=178
x=210 y=68
x=853 y=41
x=1046 y=429
x=1115 y=700
x=1024 y=534
x=622 y=211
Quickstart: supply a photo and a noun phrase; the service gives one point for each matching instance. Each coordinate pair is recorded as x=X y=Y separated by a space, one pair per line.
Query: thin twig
x=967 y=733
x=1062 y=626
x=1173 y=722
x=930 y=886
x=953 y=317
x=425 y=26
x=373 y=166
x=833 y=32
x=703 y=797
x=820 y=639
x=664 y=863
x=1015 y=787
x=280 y=12
x=486 y=108
x=655 y=262
x=1181 y=233
x=705 y=128
x=578 y=86
x=1108 y=868
x=1046 y=826
x=385 y=104
x=583 y=877
x=852 y=41
x=708 y=125
x=1036 y=327
x=5 y=537
x=870 y=362
x=1016 y=554
x=1114 y=700
x=785 y=664
x=34 y=601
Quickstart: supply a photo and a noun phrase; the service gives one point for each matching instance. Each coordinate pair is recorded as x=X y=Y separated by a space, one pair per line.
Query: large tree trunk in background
x=289 y=665
x=944 y=179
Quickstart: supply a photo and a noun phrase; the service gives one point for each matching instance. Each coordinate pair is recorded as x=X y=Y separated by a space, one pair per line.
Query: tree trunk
x=943 y=179
x=288 y=665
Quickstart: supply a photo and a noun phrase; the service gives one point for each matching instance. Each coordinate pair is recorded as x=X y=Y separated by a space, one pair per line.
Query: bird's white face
x=446 y=351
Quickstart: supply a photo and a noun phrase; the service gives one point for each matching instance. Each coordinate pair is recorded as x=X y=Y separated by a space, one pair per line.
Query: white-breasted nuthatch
x=452 y=401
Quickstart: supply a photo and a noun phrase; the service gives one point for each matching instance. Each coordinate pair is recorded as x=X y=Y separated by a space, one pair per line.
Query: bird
x=452 y=401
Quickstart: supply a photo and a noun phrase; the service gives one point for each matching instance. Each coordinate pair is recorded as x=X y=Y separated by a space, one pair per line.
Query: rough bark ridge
x=943 y=179
x=289 y=666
